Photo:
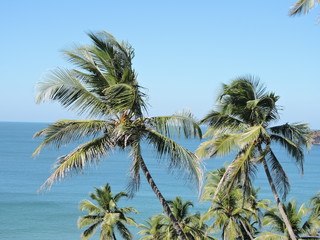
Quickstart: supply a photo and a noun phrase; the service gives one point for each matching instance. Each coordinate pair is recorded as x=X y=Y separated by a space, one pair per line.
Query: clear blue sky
x=184 y=51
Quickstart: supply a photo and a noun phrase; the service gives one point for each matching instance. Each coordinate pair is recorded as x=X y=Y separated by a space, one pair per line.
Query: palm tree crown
x=230 y=213
x=104 y=85
x=160 y=227
x=106 y=214
x=242 y=123
x=305 y=225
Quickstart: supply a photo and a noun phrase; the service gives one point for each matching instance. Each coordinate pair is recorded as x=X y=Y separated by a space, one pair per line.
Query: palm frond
x=179 y=158
x=120 y=97
x=274 y=220
x=134 y=184
x=86 y=205
x=124 y=232
x=175 y=125
x=86 y=153
x=90 y=231
x=298 y=133
x=294 y=149
x=315 y=204
x=84 y=58
x=126 y=210
x=65 y=131
x=222 y=124
x=280 y=177
x=120 y=195
x=226 y=143
x=84 y=221
x=62 y=85
x=271 y=236
x=237 y=171
x=303 y=7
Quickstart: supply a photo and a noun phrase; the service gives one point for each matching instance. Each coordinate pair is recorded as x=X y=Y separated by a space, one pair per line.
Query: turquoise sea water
x=24 y=214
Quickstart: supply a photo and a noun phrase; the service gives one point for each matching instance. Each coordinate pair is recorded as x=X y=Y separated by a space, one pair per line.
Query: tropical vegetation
x=242 y=123
x=231 y=214
x=106 y=214
x=160 y=226
x=304 y=224
x=103 y=85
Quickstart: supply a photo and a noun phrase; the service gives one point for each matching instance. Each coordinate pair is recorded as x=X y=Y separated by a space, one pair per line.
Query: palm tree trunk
x=162 y=200
x=279 y=204
x=114 y=236
x=247 y=231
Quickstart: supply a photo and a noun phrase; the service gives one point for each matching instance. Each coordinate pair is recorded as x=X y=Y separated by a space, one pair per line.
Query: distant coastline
x=316 y=137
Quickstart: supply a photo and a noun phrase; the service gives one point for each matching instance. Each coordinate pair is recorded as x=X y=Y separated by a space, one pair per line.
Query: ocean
x=50 y=215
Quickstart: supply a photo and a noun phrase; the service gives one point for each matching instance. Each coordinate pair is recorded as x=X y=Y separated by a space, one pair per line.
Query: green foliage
x=104 y=85
x=106 y=215
x=250 y=112
x=241 y=124
x=304 y=223
x=234 y=215
x=159 y=226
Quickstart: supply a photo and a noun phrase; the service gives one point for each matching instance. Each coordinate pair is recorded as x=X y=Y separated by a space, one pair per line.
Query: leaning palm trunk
x=247 y=230
x=279 y=204
x=114 y=236
x=162 y=200
x=104 y=85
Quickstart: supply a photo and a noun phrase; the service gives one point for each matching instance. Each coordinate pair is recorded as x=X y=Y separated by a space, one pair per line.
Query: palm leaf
x=65 y=131
x=90 y=231
x=120 y=97
x=271 y=236
x=227 y=143
x=84 y=59
x=302 y=7
x=293 y=149
x=62 y=85
x=89 y=220
x=86 y=153
x=298 y=133
x=134 y=184
x=279 y=175
x=175 y=125
x=179 y=158
x=222 y=124
x=237 y=171
x=86 y=205
x=124 y=232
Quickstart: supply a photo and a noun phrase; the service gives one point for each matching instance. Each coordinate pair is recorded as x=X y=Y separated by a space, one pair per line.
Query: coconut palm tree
x=304 y=224
x=241 y=124
x=106 y=215
x=103 y=85
x=154 y=229
x=230 y=215
x=160 y=226
x=230 y=212
x=315 y=205
x=303 y=7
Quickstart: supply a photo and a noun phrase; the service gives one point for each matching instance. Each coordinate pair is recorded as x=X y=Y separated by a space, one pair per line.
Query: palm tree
x=302 y=222
x=303 y=7
x=160 y=226
x=104 y=85
x=153 y=229
x=231 y=213
x=315 y=205
x=242 y=124
x=105 y=214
